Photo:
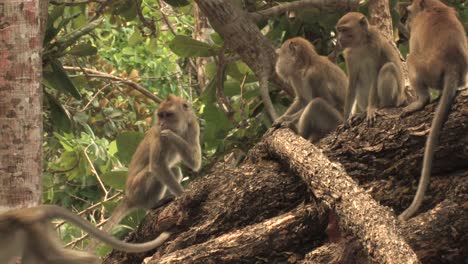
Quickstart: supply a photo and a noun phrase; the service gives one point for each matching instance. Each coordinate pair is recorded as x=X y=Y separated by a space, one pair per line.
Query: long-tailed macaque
x=438 y=59
x=374 y=67
x=319 y=87
x=173 y=139
x=28 y=233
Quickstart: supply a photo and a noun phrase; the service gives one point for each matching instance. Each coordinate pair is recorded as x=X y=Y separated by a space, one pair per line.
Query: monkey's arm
x=191 y=153
x=350 y=96
x=293 y=113
x=372 y=103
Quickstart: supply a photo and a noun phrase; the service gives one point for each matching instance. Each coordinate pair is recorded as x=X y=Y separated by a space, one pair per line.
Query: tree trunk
x=379 y=13
x=255 y=212
x=20 y=103
x=202 y=32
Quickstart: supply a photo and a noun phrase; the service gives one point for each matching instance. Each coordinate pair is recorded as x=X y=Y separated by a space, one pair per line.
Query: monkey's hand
x=168 y=135
x=284 y=121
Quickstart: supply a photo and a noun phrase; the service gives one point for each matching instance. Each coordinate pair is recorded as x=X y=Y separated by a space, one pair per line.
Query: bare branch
x=297 y=5
x=134 y=85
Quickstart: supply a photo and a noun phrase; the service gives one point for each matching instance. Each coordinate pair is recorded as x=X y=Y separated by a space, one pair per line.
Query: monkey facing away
x=28 y=233
x=374 y=67
x=319 y=87
x=173 y=139
x=434 y=62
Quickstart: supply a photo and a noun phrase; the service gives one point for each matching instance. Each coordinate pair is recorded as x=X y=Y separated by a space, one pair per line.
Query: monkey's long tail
x=53 y=211
x=448 y=94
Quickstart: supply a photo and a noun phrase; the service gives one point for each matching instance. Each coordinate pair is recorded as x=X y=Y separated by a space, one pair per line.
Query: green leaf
x=187 y=47
x=127 y=144
x=115 y=179
x=177 y=3
x=83 y=49
x=60 y=116
x=58 y=79
x=135 y=38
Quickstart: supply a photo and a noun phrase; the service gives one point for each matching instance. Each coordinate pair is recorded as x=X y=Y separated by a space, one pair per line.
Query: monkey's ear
x=292 y=46
x=185 y=106
x=422 y=4
x=363 y=22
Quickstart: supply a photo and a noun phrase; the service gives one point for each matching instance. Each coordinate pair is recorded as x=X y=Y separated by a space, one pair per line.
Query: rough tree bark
x=227 y=212
x=20 y=103
x=380 y=17
x=202 y=33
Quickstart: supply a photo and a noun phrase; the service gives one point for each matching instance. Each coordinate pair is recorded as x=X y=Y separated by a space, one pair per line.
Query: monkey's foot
x=371 y=116
x=413 y=107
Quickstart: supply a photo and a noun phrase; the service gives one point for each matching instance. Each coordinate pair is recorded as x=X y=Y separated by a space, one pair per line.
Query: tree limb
x=298 y=5
x=373 y=225
x=134 y=85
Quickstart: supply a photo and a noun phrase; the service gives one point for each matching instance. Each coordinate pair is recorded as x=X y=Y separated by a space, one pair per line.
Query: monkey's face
x=352 y=29
x=174 y=114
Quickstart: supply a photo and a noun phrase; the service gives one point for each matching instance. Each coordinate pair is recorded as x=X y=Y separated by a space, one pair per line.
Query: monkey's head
x=352 y=29
x=296 y=53
x=174 y=114
x=418 y=6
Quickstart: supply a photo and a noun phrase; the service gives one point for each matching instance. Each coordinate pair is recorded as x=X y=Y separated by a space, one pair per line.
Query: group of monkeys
x=324 y=99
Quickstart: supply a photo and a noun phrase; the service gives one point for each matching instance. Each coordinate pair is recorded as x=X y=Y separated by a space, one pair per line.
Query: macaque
x=173 y=139
x=374 y=67
x=319 y=87
x=28 y=233
x=437 y=59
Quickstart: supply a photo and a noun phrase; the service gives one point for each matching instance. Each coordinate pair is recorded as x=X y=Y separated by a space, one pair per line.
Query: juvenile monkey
x=319 y=87
x=173 y=139
x=434 y=62
x=374 y=67
x=27 y=233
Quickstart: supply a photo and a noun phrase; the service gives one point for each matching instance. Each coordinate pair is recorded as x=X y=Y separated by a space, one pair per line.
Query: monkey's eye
x=165 y=114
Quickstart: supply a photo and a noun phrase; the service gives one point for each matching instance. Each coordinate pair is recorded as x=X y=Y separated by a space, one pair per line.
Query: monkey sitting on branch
x=173 y=139
x=374 y=68
x=439 y=63
x=28 y=233
x=319 y=87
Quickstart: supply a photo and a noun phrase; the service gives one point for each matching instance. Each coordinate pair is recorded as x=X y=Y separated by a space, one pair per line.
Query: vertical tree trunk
x=202 y=33
x=20 y=103
x=379 y=13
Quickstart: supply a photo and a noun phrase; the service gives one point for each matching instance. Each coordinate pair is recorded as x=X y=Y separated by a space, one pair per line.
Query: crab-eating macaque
x=438 y=59
x=374 y=67
x=174 y=138
x=319 y=87
x=28 y=233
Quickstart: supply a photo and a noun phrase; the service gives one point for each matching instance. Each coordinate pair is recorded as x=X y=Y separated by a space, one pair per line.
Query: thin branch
x=75 y=3
x=98 y=74
x=221 y=72
x=146 y=23
x=165 y=19
x=298 y=5
x=94 y=171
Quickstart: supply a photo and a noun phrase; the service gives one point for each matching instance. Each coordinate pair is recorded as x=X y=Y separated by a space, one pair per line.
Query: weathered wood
x=251 y=243
x=358 y=213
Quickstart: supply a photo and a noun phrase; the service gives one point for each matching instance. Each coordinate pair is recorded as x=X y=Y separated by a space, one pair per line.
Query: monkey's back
x=432 y=55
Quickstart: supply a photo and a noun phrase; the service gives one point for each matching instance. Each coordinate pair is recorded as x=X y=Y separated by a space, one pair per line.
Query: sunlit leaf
x=115 y=179
x=127 y=143
x=83 y=49
x=187 y=47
